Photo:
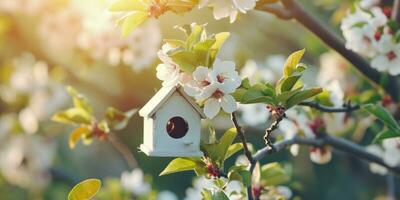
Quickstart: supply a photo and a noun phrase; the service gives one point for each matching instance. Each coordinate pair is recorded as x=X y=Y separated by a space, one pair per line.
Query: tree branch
x=123 y=150
x=337 y=143
x=269 y=130
x=246 y=151
x=396 y=11
x=336 y=43
x=347 y=108
x=276 y=9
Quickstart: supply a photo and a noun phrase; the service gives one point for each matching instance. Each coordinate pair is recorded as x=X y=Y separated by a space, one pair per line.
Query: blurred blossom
x=254 y=114
x=28 y=121
x=320 y=155
x=7 y=124
x=391 y=155
x=368 y=4
x=336 y=123
x=388 y=59
x=25 y=161
x=234 y=190
x=228 y=8
x=285 y=191
x=102 y=40
x=374 y=167
x=334 y=68
x=166 y=195
x=199 y=183
x=389 y=152
x=134 y=182
x=242 y=160
x=29 y=7
x=360 y=28
x=59 y=29
x=30 y=79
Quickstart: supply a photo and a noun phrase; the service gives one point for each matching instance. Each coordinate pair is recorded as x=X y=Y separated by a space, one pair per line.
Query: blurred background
x=48 y=44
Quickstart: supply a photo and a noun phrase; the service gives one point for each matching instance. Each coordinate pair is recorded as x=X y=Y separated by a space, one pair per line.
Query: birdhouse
x=172 y=124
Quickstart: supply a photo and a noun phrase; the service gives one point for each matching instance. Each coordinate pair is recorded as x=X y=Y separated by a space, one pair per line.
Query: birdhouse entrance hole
x=177 y=127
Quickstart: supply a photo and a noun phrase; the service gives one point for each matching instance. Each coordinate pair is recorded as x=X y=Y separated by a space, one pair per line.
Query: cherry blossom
x=228 y=8
x=360 y=30
x=388 y=59
x=168 y=71
x=213 y=87
x=367 y=4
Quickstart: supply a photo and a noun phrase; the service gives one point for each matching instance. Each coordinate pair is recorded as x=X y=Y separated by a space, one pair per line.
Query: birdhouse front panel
x=177 y=128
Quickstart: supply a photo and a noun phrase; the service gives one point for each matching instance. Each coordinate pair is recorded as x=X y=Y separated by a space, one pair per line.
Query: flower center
x=387 y=11
x=220 y=78
x=366 y=39
x=156 y=9
x=205 y=83
x=218 y=94
x=391 y=55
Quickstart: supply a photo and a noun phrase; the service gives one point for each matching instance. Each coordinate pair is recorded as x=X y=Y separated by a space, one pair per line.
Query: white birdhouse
x=172 y=124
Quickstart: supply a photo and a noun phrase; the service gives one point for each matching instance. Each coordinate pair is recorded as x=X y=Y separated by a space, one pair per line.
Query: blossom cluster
x=369 y=31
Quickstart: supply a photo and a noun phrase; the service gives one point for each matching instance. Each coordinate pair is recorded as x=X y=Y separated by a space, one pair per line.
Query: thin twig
x=246 y=151
x=123 y=150
x=336 y=43
x=269 y=130
x=337 y=143
x=242 y=138
x=346 y=108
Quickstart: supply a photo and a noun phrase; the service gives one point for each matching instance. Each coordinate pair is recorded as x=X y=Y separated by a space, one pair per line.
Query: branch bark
x=346 y=108
x=336 y=43
x=396 y=11
x=246 y=151
x=337 y=143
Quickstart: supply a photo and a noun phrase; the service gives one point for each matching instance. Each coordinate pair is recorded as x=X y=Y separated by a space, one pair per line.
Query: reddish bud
x=387 y=11
x=377 y=35
x=256 y=189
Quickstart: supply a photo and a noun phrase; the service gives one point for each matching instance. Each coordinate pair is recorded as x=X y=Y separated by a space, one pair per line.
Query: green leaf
x=386 y=134
x=202 y=51
x=259 y=93
x=220 y=39
x=287 y=83
x=179 y=165
x=127 y=5
x=186 y=60
x=240 y=173
x=382 y=114
x=79 y=100
x=195 y=36
x=117 y=119
x=238 y=94
x=225 y=142
x=301 y=96
x=273 y=174
x=233 y=149
x=369 y=96
x=85 y=190
x=133 y=20
x=174 y=43
x=76 y=135
x=284 y=96
x=73 y=116
x=292 y=62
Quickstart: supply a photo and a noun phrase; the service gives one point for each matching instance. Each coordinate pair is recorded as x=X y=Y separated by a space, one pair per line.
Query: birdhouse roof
x=162 y=97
